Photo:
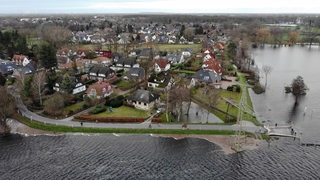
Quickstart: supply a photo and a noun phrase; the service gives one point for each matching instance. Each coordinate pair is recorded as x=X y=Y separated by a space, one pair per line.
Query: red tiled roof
x=99 y=86
x=18 y=57
x=69 y=65
x=213 y=64
x=162 y=63
x=219 y=45
x=100 y=59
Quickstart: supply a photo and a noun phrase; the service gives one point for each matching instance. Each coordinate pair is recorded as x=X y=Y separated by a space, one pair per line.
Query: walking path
x=248 y=127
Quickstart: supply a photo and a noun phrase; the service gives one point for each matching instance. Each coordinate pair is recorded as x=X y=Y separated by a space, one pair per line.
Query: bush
x=115 y=102
x=230 y=88
x=238 y=88
x=258 y=89
x=251 y=81
x=98 y=109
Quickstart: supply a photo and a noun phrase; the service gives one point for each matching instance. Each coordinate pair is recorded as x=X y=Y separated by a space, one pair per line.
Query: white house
x=161 y=65
x=143 y=99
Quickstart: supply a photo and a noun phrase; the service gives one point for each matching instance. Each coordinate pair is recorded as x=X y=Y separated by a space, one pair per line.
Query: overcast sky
x=166 y=6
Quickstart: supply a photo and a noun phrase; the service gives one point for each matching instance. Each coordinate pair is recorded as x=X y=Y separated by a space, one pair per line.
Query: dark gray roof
x=144 y=96
x=60 y=79
x=206 y=76
x=100 y=70
x=7 y=67
x=94 y=69
x=137 y=72
x=29 y=69
x=105 y=70
x=162 y=79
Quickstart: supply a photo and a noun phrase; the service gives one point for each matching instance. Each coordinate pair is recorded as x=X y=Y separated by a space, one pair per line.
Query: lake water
x=275 y=106
x=145 y=157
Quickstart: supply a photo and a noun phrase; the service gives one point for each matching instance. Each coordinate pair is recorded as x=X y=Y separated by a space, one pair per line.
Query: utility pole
x=237 y=146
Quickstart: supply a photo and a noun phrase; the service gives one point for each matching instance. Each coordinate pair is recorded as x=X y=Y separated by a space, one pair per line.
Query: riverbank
x=20 y=128
x=223 y=141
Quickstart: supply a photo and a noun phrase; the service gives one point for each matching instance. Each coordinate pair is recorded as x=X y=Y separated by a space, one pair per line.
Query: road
x=248 y=127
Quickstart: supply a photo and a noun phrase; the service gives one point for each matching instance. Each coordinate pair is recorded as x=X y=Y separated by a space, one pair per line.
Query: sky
x=157 y=6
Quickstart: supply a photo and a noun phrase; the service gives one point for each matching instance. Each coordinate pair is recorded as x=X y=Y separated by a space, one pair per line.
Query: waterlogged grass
x=55 y=128
x=233 y=96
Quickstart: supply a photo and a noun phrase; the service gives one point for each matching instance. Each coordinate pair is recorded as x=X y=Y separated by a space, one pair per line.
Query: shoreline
x=223 y=141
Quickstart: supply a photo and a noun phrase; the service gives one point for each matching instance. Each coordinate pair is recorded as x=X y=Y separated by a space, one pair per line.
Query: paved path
x=68 y=122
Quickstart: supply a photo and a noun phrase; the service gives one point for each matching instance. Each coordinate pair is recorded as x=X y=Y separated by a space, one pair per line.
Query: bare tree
x=6 y=108
x=213 y=97
x=38 y=84
x=262 y=36
x=55 y=34
x=54 y=105
x=293 y=37
x=266 y=70
x=178 y=94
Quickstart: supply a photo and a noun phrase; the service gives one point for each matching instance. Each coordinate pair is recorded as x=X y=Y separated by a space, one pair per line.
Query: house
x=107 y=54
x=105 y=61
x=213 y=65
x=145 y=54
x=82 y=65
x=208 y=54
x=161 y=65
x=187 y=52
x=161 y=81
x=143 y=99
x=206 y=76
x=136 y=74
x=99 y=90
x=134 y=53
x=78 y=86
x=20 y=60
x=101 y=73
x=175 y=58
x=7 y=67
x=126 y=63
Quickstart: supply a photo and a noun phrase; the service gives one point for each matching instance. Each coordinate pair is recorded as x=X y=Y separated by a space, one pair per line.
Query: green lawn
x=179 y=47
x=74 y=107
x=125 y=111
x=187 y=71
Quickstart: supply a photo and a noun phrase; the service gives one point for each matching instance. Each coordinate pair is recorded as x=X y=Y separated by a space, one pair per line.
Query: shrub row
x=114 y=119
x=108 y=119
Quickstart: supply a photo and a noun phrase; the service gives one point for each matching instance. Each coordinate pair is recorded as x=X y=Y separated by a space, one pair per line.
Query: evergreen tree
x=47 y=56
x=51 y=80
x=67 y=84
x=2 y=80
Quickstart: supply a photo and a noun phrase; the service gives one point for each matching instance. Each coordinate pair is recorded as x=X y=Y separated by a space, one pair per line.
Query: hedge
x=89 y=118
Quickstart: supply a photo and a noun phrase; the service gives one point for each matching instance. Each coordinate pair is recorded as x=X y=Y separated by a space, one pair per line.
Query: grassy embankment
x=55 y=128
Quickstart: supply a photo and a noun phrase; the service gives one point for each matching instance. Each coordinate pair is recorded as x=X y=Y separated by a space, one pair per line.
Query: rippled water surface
x=146 y=157
x=275 y=106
